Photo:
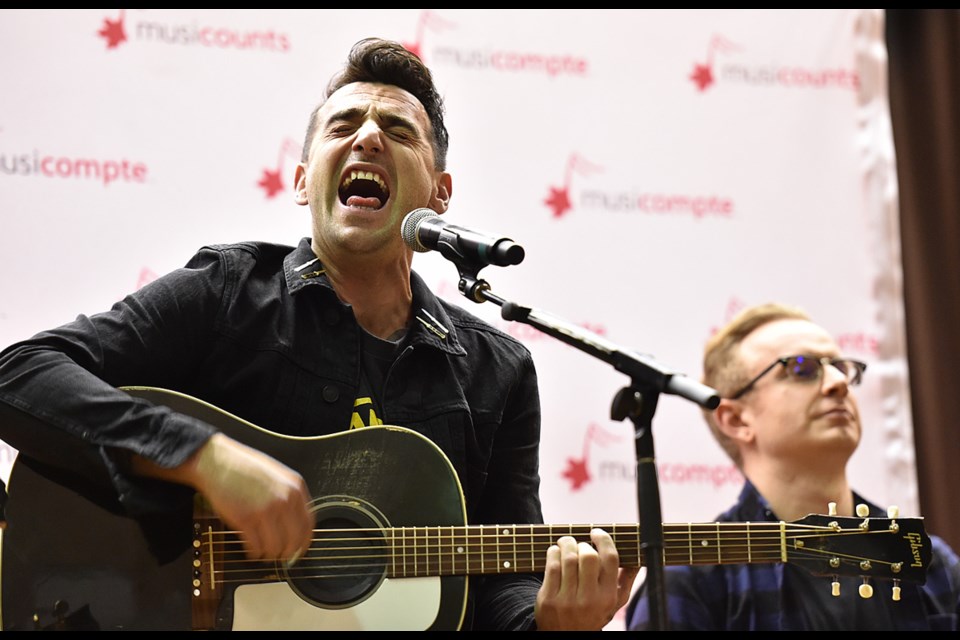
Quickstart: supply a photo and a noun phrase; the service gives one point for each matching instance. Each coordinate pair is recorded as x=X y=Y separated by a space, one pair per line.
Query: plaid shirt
x=758 y=597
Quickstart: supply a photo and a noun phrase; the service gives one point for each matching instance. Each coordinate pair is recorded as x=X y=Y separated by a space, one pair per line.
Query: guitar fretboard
x=491 y=549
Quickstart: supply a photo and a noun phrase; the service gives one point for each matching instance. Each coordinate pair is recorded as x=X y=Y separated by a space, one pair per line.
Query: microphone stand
x=637 y=401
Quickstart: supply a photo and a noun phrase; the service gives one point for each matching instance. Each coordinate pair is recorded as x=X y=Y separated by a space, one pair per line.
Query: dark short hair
x=388 y=62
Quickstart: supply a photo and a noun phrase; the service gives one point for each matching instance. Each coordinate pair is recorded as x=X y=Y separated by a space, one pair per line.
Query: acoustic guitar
x=391 y=550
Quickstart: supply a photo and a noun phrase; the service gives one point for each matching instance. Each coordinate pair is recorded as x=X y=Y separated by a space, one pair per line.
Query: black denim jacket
x=252 y=329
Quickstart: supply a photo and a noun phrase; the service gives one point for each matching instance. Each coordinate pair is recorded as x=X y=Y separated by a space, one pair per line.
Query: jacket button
x=331 y=393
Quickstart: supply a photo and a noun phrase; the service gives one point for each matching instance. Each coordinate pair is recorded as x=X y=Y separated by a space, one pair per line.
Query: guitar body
x=68 y=562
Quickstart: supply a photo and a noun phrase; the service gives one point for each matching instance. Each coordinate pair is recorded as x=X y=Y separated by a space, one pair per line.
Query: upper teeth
x=364 y=175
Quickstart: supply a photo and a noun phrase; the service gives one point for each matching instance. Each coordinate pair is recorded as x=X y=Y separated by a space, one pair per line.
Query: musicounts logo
x=40 y=164
x=710 y=72
x=499 y=60
x=642 y=201
x=578 y=470
x=114 y=33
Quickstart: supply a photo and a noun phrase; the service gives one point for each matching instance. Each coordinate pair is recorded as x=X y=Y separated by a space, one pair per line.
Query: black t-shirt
x=376 y=356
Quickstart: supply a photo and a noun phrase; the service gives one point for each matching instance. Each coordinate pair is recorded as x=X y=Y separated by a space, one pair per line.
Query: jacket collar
x=430 y=324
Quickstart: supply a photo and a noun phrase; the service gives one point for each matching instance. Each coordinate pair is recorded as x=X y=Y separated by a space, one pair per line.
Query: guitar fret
x=392 y=533
x=533 y=553
x=443 y=542
x=463 y=550
x=401 y=553
x=552 y=538
x=719 y=544
x=515 y=561
x=783 y=541
x=482 y=564
x=749 y=545
x=634 y=533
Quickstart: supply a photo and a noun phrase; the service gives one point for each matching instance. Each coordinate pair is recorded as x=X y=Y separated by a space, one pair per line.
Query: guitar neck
x=491 y=549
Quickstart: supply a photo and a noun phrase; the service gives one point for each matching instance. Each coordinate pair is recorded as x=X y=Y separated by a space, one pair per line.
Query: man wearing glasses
x=790 y=422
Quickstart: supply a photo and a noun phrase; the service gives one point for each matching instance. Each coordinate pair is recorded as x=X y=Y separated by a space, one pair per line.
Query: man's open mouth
x=364 y=189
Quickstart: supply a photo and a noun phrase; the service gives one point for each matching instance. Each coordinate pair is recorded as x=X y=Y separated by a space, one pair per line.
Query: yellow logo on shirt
x=364 y=414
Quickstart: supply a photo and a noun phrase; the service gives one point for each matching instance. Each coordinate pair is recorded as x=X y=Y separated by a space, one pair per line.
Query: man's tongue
x=361 y=201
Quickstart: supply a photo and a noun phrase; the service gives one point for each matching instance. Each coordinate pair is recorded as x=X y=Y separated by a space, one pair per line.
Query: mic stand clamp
x=639 y=403
x=471 y=286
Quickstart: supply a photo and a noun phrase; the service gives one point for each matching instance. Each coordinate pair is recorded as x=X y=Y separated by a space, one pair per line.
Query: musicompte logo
x=711 y=71
x=114 y=33
x=578 y=469
x=40 y=164
x=643 y=201
x=500 y=60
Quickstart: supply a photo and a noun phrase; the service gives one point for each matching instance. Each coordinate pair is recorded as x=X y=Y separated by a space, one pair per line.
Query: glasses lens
x=803 y=368
x=849 y=368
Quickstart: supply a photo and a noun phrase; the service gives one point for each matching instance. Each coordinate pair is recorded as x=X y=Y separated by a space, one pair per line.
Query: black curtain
x=924 y=65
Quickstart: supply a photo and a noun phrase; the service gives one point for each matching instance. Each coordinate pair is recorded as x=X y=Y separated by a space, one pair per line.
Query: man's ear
x=300 y=184
x=729 y=417
x=444 y=189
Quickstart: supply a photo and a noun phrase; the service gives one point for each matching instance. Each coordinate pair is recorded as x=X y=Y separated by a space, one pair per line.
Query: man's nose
x=369 y=138
x=834 y=380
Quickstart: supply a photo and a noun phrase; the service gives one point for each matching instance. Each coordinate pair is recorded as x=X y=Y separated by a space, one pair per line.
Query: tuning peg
x=863 y=510
x=893 y=512
x=865 y=590
x=835 y=587
x=896 y=590
x=832 y=508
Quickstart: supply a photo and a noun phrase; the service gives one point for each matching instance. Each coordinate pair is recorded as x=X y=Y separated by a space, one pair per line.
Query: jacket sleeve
x=59 y=397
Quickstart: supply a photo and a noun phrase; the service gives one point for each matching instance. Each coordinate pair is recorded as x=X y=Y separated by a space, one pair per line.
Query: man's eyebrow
x=394 y=120
x=352 y=114
x=346 y=115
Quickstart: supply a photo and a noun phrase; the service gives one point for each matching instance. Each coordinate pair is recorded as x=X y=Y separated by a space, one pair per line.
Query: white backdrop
x=662 y=168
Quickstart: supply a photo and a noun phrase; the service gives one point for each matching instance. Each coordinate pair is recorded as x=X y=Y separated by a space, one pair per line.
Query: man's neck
x=380 y=295
x=795 y=494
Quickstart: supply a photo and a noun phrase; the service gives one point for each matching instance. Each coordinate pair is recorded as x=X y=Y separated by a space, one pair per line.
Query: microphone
x=423 y=230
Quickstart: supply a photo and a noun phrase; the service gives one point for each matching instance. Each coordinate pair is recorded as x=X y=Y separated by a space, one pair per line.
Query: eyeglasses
x=810 y=369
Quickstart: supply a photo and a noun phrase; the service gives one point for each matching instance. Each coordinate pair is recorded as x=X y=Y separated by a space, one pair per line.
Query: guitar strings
x=356 y=570
x=448 y=554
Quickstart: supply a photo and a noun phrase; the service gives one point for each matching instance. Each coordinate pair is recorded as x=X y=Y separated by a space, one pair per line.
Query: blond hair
x=722 y=367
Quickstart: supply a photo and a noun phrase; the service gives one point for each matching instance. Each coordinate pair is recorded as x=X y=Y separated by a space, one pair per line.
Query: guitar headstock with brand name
x=891 y=548
x=874 y=549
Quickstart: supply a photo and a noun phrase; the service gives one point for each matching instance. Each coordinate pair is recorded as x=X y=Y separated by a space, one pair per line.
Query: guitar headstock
x=889 y=548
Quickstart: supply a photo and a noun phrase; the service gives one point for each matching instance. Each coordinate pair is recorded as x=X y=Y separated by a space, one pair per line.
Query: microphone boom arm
x=638 y=366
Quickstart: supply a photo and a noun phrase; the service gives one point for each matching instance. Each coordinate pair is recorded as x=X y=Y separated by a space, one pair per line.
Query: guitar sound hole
x=348 y=558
